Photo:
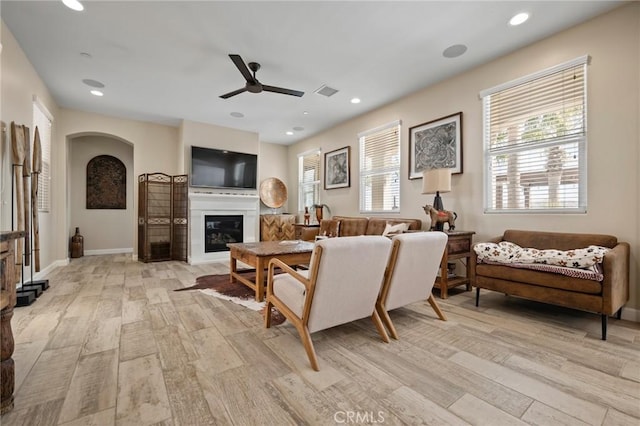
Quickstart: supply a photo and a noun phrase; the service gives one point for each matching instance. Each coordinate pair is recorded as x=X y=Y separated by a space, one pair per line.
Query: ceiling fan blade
x=242 y=67
x=282 y=90
x=235 y=92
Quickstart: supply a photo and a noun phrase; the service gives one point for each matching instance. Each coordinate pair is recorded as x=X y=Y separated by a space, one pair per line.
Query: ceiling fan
x=253 y=85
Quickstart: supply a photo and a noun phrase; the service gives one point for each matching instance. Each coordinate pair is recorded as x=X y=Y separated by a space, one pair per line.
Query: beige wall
x=155 y=149
x=273 y=163
x=210 y=136
x=20 y=83
x=104 y=230
x=613 y=42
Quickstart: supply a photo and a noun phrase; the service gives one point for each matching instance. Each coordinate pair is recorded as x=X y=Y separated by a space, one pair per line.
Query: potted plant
x=319 y=210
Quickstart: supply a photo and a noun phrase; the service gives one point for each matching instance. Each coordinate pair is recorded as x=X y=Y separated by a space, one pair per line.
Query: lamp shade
x=436 y=180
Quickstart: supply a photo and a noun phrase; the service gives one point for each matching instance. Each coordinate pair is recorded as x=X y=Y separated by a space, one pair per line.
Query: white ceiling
x=165 y=61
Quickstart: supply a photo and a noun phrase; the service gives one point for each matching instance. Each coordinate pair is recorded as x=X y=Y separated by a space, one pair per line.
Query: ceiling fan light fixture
x=518 y=19
x=74 y=5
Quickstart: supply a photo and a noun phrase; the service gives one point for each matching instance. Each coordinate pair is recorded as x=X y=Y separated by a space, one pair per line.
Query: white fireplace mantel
x=203 y=204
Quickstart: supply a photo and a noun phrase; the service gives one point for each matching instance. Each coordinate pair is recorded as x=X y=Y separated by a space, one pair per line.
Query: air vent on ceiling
x=325 y=90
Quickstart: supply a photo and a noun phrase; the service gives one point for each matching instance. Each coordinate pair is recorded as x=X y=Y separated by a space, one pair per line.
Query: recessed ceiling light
x=237 y=114
x=454 y=51
x=518 y=19
x=93 y=83
x=305 y=112
x=355 y=100
x=97 y=93
x=73 y=4
x=289 y=132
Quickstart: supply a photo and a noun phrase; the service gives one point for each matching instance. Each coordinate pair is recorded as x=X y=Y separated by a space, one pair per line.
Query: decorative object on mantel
x=106 y=183
x=436 y=144
x=273 y=193
x=319 y=211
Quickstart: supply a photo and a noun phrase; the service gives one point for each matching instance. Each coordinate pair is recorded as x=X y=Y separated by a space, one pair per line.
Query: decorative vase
x=77 y=244
x=307 y=216
x=319 y=213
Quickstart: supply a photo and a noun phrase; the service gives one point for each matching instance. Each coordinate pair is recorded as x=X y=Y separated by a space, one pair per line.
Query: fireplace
x=214 y=212
x=220 y=230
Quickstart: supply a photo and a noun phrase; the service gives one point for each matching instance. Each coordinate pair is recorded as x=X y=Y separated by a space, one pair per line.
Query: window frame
x=365 y=172
x=315 y=185
x=577 y=142
x=44 y=177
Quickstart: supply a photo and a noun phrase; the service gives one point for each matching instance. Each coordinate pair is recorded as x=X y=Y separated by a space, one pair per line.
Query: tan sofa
x=606 y=297
x=354 y=225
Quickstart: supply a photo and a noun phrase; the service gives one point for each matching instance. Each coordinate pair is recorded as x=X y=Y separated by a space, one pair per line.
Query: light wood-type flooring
x=111 y=343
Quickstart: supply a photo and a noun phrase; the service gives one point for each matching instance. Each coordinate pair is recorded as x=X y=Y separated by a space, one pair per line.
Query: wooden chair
x=341 y=285
x=411 y=272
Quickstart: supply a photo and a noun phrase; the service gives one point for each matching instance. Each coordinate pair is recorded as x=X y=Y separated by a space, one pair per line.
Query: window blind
x=535 y=142
x=308 y=179
x=380 y=169
x=42 y=119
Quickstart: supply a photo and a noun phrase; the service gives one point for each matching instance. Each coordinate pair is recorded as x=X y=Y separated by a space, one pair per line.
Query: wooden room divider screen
x=163 y=211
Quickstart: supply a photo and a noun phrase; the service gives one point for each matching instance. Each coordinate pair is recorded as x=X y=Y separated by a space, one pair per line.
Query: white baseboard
x=107 y=251
x=631 y=314
x=46 y=271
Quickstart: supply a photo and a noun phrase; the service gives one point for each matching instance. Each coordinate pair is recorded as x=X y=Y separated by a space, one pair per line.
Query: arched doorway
x=108 y=228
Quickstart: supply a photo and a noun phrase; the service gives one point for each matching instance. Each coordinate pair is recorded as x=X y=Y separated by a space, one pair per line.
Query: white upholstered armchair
x=342 y=285
x=413 y=265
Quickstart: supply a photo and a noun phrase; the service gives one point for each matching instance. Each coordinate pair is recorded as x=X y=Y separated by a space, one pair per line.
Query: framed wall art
x=336 y=168
x=436 y=144
x=106 y=183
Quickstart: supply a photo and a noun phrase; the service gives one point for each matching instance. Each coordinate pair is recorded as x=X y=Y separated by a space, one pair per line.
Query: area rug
x=220 y=287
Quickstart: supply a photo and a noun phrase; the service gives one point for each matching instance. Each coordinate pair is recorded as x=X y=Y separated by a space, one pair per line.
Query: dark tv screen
x=217 y=168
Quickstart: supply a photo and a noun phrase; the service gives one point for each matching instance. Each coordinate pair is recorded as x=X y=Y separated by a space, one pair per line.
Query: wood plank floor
x=111 y=343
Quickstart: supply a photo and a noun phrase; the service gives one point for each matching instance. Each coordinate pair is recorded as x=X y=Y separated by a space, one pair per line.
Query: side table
x=306 y=232
x=458 y=247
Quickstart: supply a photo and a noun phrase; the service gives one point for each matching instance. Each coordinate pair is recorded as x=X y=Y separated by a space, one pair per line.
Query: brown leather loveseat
x=606 y=297
x=347 y=226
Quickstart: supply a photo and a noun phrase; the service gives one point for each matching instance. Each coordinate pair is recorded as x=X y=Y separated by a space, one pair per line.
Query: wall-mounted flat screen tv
x=218 y=168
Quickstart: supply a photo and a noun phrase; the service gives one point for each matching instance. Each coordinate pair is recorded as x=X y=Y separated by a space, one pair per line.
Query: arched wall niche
x=106 y=221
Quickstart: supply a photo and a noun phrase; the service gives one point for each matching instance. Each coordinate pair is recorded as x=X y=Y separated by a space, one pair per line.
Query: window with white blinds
x=380 y=169
x=535 y=136
x=308 y=179
x=42 y=119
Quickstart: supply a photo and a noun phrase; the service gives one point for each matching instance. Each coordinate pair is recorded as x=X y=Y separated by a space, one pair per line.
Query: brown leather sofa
x=606 y=297
x=355 y=225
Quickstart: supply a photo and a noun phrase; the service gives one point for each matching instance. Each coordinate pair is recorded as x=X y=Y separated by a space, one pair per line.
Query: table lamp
x=435 y=181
